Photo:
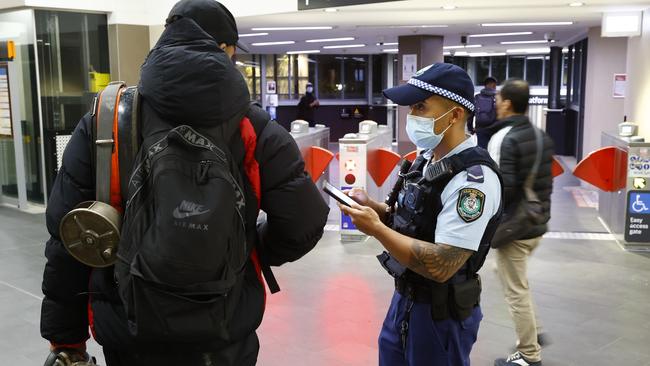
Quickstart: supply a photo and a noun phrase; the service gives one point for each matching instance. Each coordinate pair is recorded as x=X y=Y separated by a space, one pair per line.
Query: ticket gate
x=313 y=143
x=366 y=161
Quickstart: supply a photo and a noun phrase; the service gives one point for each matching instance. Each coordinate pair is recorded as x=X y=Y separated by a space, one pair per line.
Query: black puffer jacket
x=186 y=79
x=513 y=146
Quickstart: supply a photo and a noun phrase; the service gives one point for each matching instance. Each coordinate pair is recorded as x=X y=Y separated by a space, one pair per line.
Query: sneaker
x=516 y=359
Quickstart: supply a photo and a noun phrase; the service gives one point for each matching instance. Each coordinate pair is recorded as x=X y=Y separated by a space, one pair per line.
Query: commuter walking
x=308 y=105
x=524 y=155
x=439 y=232
x=187 y=287
x=486 y=112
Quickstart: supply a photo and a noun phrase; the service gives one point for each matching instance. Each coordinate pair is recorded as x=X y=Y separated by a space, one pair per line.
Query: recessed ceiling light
x=331 y=10
x=302 y=52
x=576 y=4
x=500 y=34
x=462 y=46
x=330 y=40
x=449 y=7
x=461 y=53
x=527 y=42
x=345 y=46
x=446 y=53
x=391 y=50
x=484 y=54
x=253 y=34
x=290 y=28
x=387 y=44
x=420 y=26
x=529 y=50
x=524 y=24
x=272 y=43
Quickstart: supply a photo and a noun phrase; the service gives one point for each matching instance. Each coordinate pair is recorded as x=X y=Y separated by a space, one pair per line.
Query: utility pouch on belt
x=464 y=296
x=392 y=266
x=439 y=301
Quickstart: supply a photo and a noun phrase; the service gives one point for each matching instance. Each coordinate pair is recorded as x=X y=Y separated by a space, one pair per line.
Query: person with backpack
x=486 y=113
x=187 y=284
x=524 y=154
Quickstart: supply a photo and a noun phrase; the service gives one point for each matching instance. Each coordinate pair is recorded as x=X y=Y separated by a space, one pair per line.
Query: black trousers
x=243 y=353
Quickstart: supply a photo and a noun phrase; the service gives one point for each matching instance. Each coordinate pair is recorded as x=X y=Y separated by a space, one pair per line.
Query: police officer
x=438 y=233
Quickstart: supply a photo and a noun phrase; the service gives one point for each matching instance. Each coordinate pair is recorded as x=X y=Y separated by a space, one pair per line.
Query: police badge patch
x=470 y=204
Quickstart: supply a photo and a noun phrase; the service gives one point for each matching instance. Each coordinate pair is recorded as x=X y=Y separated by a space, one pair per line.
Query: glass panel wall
x=355 y=68
x=19 y=26
x=330 y=78
x=73 y=66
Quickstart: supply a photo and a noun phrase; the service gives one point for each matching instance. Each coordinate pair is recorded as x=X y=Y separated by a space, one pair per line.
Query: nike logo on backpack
x=188 y=209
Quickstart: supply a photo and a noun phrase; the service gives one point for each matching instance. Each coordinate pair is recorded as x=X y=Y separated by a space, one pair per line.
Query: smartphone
x=338 y=195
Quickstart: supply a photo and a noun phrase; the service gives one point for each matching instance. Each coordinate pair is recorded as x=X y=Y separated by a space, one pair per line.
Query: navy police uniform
x=456 y=200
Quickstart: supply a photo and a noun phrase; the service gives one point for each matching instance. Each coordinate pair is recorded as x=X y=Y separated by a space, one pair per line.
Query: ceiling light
x=290 y=28
x=449 y=7
x=527 y=42
x=345 y=46
x=419 y=26
x=485 y=54
x=272 y=43
x=529 y=50
x=462 y=46
x=524 y=24
x=446 y=53
x=500 y=34
x=253 y=34
x=576 y=4
x=391 y=50
x=387 y=44
x=461 y=53
x=331 y=10
x=330 y=40
x=301 y=52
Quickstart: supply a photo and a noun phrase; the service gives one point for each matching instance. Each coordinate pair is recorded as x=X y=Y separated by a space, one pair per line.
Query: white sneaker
x=516 y=359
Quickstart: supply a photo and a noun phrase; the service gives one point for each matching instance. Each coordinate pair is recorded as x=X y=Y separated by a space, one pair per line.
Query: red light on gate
x=350 y=179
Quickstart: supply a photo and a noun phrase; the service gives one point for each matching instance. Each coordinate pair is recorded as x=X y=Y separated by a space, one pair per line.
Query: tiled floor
x=592 y=298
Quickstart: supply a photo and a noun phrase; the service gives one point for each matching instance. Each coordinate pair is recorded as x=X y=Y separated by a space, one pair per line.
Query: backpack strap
x=104 y=141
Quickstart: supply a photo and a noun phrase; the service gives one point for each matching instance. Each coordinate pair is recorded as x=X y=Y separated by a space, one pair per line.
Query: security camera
x=381 y=43
x=549 y=37
x=463 y=40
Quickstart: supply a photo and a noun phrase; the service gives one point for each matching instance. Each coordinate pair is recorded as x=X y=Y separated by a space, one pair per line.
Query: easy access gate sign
x=637 y=223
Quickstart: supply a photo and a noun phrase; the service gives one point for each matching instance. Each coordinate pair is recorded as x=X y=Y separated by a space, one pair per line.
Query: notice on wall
x=5 y=105
x=638 y=162
x=409 y=66
x=637 y=223
x=620 y=83
x=271 y=87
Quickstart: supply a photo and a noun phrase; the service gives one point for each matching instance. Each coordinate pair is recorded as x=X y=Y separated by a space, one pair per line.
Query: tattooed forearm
x=436 y=261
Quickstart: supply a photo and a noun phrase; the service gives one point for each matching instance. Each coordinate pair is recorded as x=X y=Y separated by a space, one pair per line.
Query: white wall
x=605 y=57
x=149 y=12
x=637 y=101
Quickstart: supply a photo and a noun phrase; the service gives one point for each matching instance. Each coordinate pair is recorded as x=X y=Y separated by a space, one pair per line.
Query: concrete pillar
x=426 y=49
x=128 y=47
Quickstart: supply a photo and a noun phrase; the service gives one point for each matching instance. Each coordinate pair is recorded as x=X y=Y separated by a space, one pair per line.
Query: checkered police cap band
x=443 y=93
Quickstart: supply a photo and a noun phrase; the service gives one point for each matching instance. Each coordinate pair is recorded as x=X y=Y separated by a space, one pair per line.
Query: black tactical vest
x=419 y=203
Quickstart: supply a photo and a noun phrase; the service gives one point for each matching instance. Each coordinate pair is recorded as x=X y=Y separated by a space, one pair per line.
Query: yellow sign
x=99 y=81
x=7 y=51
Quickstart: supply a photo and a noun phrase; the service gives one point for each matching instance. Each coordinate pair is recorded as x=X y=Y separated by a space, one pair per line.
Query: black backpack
x=183 y=245
x=486 y=112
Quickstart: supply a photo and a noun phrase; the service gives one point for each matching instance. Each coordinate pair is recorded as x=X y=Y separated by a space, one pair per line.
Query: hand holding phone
x=338 y=195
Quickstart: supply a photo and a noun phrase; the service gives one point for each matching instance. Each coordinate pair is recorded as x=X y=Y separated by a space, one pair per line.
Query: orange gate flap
x=317 y=160
x=381 y=163
x=604 y=168
x=556 y=168
x=411 y=156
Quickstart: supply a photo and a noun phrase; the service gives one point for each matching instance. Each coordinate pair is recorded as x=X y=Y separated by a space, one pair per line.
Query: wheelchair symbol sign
x=639 y=203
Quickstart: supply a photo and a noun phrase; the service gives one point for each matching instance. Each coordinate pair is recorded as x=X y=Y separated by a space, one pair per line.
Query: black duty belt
x=422 y=292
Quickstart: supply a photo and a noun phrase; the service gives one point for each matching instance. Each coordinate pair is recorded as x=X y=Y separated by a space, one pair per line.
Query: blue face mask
x=421 y=131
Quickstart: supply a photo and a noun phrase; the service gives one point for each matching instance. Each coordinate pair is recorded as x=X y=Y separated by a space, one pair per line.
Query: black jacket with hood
x=186 y=79
x=513 y=146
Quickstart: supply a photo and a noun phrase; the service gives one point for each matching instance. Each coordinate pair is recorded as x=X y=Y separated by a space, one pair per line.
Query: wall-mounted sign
x=270 y=87
x=320 y=4
x=5 y=104
x=637 y=223
x=638 y=162
x=409 y=66
x=620 y=83
x=7 y=51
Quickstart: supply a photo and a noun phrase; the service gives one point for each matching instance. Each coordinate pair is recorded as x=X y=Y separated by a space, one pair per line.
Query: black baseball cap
x=446 y=80
x=214 y=18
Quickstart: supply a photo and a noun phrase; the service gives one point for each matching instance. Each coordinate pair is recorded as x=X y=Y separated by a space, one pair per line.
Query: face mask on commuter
x=310 y=89
x=421 y=131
